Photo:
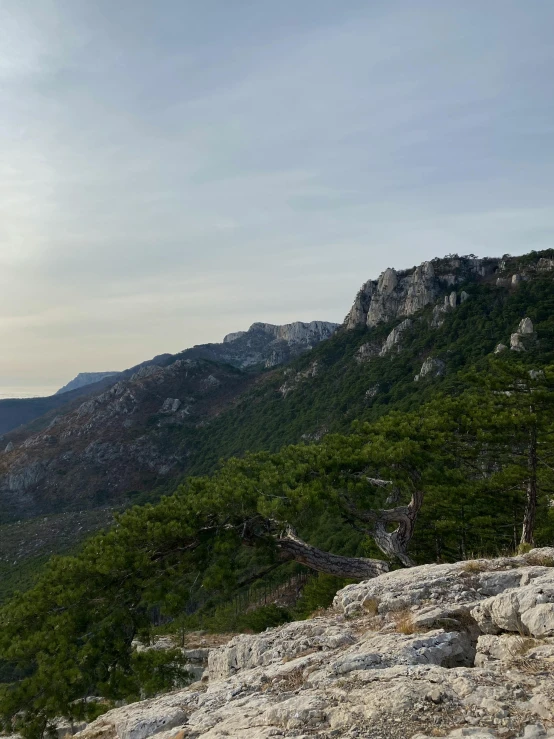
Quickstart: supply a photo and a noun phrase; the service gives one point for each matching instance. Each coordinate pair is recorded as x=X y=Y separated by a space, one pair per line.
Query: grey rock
x=500 y=348
x=526 y=610
x=367 y=351
x=534 y=731
x=431 y=366
x=393 y=339
x=524 y=330
x=170 y=405
x=265 y=344
x=463 y=296
x=398 y=294
x=525 y=326
x=347 y=675
x=9 y=447
x=233 y=337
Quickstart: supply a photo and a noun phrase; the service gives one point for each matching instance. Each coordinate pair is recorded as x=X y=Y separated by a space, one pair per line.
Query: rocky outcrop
x=401 y=656
x=392 y=342
x=524 y=335
x=431 y=366
x=266 y=344
x=83 y=379
x=295 y=379
x=401 y=294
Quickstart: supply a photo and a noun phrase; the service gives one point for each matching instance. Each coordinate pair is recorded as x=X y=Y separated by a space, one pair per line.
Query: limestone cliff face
x=265 y=343
x=401 y=294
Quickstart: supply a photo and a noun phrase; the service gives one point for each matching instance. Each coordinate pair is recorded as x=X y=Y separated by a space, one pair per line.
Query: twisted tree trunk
x=392 y=543
x=290 y=546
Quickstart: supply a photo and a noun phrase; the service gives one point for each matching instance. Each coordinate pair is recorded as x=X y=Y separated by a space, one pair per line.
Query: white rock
x=528 y=609
x=432 y=366
x=525 y=326
x=393 y=339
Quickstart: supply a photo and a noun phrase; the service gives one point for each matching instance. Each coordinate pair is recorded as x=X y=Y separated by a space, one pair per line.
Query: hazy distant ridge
x=83 y=379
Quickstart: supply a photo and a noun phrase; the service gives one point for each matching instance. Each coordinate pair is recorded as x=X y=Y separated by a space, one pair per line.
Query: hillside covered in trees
x=341 y=465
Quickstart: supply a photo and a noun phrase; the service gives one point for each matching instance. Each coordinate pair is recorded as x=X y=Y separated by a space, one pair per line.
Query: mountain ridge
x=359 y=373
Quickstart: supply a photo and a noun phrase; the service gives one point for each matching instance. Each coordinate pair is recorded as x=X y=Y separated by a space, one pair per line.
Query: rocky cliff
x=400 y=294
x=265 y=344
x=451 y=650
x=83 y=379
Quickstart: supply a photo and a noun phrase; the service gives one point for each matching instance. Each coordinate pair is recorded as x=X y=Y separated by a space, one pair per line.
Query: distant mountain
x=409 y=335
x=263 y=345
x=83 y=379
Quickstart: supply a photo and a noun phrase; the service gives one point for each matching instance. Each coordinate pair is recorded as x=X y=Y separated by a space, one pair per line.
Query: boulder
x=526 y=610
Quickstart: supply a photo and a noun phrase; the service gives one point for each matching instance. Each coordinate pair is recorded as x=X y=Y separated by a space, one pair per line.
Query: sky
x=174 y=170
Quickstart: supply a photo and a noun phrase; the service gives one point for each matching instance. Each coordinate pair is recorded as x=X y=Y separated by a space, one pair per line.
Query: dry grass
x=541 y=560
x=371 y=606
x=404 y=622
x=474 y=566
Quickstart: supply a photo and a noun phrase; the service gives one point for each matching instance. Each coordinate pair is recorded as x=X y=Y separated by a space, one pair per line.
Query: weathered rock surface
x=266 y=344
x=525 y=331
x=394 y=338
x=399 y=657
x=527 y=610
x=401 y=294
x=115 y=441
x=431 y=366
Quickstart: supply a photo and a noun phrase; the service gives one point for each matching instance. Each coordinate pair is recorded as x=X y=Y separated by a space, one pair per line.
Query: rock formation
x=431 y=366
x=525 y=331
x=266 y=344
x=454 y=650
x=401 y=294
x=393 y=339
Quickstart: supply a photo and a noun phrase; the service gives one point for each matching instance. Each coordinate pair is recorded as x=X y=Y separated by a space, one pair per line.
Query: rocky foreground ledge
x=455 y=650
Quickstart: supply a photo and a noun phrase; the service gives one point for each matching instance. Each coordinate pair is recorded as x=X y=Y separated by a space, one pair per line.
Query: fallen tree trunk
x=291 y=547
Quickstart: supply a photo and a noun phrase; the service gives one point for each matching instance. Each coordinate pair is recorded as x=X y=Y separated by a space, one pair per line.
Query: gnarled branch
x=291 y=546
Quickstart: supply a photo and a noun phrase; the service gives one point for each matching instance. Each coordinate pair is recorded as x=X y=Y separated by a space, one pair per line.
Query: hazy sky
x=172 y=170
